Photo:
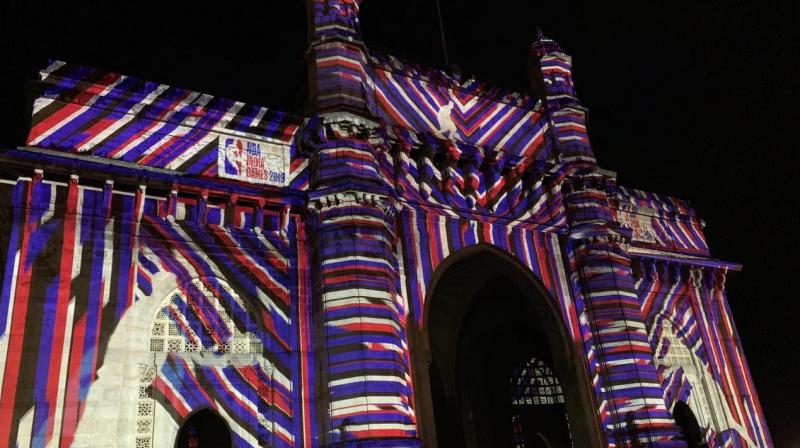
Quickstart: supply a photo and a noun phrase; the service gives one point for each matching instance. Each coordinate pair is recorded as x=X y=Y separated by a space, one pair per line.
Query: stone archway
x=204 y=429
x=485 y=315
x=687 y=422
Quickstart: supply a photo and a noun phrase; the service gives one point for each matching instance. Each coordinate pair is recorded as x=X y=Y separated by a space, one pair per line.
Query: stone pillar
x=631 y=406
x=365 y=392
x=365 y=377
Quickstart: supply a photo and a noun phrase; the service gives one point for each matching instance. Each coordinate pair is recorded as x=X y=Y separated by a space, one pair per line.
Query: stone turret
x=550 y=72
x=336 y=57
x=365 y=394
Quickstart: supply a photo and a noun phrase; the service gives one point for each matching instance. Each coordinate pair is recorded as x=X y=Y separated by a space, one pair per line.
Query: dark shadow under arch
x=687 y=422
x=204 y=428
x=485 y=313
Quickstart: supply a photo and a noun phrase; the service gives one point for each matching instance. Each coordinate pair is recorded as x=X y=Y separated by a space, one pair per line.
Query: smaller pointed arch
x=204 y=428
x=687 y=422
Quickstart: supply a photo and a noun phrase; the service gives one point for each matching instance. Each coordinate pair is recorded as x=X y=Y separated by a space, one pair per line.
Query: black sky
x=692 y=99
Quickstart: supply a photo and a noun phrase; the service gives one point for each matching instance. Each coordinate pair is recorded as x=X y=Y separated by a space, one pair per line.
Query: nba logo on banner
x=253 y=161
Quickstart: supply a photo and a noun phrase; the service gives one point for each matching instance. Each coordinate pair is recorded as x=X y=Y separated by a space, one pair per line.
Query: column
x=630 y=398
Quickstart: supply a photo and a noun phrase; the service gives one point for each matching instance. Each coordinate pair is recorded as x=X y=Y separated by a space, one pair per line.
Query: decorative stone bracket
x=679 y=271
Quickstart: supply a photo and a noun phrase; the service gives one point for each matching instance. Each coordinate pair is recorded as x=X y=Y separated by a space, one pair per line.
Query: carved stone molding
x=678 y=271
x=326 y=202
x=321 y=209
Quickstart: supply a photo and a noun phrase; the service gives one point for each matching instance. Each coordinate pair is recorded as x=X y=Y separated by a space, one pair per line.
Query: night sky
x=692 y=99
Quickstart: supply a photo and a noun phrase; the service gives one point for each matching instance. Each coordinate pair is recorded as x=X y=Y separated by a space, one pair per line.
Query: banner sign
x=642 y=226
x=253 y=161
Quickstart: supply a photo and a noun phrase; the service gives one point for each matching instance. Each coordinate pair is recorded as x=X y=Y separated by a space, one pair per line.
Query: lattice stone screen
x=533 y=384
x=679 y=356
x=172 y=332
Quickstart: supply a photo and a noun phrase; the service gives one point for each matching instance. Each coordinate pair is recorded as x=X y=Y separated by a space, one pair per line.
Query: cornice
x=693 y=273
x=323 y=202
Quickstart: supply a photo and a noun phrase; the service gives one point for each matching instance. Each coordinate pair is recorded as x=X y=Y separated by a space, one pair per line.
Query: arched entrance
x=687 y=422
x=204 y=429
x=487 y=322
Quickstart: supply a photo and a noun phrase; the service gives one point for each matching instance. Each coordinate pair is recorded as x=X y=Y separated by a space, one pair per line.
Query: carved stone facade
x=414 y=256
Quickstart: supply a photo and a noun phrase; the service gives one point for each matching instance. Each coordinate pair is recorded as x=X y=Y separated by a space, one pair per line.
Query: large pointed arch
x=452 y=291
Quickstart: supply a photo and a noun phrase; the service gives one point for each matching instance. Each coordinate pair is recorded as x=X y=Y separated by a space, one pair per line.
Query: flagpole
x=441 y=31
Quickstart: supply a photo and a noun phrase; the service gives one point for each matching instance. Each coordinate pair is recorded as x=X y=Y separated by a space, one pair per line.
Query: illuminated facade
x=424 y=260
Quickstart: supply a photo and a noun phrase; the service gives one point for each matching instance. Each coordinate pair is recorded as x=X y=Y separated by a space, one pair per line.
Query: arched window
x=204 y=429
x=539 y=417
x=535 y=384
x=193 y=319
x=702 y=399
x=705 y=403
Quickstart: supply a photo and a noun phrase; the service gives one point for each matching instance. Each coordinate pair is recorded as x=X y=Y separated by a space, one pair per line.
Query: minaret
x=364 y=390
x=550 y=73
x=336 y=57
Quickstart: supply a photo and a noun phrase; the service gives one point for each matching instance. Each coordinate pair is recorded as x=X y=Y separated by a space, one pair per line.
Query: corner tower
x=336 y=57
x=550 y=74
x=622 y=367
x=364 y=381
